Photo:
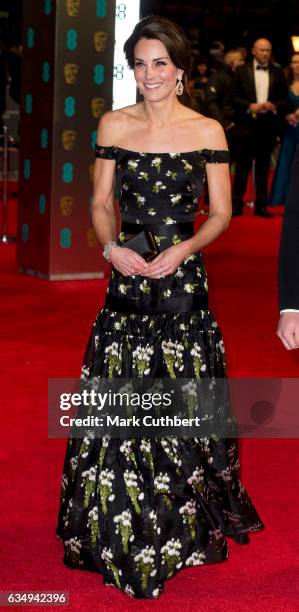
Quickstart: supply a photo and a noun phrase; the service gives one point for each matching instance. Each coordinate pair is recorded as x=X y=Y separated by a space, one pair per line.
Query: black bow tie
x=262 y=67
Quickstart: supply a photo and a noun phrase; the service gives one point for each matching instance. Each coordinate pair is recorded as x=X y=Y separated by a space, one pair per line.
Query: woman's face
x=155 y=74
x=295 y=65
x=202 y=69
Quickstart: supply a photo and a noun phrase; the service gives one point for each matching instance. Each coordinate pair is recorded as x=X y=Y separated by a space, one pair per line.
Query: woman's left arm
x=220 y=211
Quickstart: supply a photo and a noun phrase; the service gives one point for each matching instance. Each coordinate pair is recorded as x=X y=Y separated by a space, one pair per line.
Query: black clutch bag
x=144 y=244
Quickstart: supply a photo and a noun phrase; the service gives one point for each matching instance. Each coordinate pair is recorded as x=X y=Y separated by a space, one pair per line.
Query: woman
x=200 y=74
x=290 y=139
x=138 y=510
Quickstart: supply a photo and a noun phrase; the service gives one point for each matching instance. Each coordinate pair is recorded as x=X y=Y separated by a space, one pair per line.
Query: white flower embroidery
x=141 y=359
x=173 y=175
x=140 y=199
x=129 y=590
x=197 y=477
x=143 y=176
x=179 y=273
x=168 y=221
x=156 y=163
x=197 y=558
x=124 y=518
x=161 y=483
x=189 y=288
x=187 y=167
x=123 y=288
x=144 y=286
x=132 y=165
x=158 y=185
x=171 y=553
x=175 y=198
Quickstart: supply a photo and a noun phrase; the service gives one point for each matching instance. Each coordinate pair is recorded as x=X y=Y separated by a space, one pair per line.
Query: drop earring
x=179 y=88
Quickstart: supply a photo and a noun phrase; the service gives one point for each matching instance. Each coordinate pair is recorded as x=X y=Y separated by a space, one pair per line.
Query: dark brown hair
x=169 y=33
x=289 y=72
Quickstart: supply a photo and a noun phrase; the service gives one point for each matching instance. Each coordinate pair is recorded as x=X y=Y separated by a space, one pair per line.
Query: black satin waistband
x=186 y=303
x=170 y=228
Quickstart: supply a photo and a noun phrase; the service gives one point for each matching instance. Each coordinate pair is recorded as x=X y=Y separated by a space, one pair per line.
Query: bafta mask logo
x=100 y=39
x=91 y=238
x=71 y=73
x=73 y=7
x=97 y=107
x=69 y=139
x=66 y=205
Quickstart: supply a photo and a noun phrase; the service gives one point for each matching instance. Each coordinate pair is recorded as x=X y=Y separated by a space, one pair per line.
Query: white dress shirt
x=261 y=79
x=288 y=310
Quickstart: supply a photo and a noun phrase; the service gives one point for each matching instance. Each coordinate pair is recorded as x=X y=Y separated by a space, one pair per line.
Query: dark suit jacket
x=216 y=92
x=243 y=91
x=289 y=245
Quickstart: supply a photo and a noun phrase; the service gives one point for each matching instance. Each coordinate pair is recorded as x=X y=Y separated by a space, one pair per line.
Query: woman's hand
x=127 y=262
x=167 y=262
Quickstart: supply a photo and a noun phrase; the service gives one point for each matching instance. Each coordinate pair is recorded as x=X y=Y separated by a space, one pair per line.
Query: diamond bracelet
x=108 y=248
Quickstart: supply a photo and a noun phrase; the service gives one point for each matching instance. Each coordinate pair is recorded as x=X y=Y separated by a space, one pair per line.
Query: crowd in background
x=257 y=103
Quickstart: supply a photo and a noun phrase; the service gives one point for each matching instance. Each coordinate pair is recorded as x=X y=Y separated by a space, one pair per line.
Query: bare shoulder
x=211 y=133
x=113 y=124
x=206 y=133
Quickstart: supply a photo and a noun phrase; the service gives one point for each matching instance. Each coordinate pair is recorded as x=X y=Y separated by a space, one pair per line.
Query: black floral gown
x=139 y=510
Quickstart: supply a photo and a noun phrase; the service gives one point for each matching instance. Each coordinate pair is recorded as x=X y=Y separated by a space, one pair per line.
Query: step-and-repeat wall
x=67 y=86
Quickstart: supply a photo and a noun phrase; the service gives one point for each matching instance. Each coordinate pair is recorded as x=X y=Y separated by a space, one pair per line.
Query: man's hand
x=292 y=119
x=288 y=330
x=256 y=107
x=269 y=106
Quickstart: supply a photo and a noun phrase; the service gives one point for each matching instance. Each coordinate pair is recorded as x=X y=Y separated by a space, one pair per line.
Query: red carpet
x=45 y=327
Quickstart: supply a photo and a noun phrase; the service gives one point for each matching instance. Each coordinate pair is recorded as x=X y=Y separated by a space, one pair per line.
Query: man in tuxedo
x=288 y=326
x=260 y=97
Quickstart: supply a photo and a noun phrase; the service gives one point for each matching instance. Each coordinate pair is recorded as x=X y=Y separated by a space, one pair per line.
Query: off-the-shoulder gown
x=139 y=510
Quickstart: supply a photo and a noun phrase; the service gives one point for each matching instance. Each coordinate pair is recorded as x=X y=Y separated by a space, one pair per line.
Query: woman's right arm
x=124 y=260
